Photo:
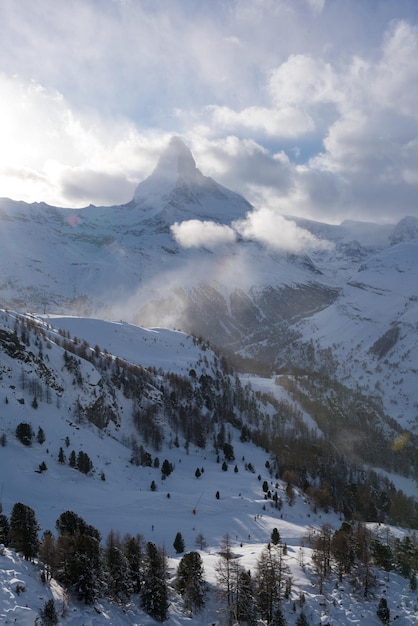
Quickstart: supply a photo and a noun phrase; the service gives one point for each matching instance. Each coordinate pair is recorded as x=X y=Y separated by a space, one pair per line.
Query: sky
x=305 y=107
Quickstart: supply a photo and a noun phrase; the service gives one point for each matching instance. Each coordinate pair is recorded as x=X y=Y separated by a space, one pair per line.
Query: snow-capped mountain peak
x=177 y=190
x=175 y=164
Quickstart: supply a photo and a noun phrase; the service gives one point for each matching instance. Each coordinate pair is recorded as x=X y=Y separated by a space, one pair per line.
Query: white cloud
x=196 y=234
x=275 y=231
x=308 y=106
x=53 y=153
x=284 y=122
x=264 y=226
x=303 y=81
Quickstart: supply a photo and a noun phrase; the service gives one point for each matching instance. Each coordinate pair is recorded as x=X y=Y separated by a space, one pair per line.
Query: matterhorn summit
x=177 y=190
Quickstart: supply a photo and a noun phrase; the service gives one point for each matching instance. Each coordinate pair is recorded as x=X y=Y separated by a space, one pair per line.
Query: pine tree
x=86 y=568
x=271 y=577
x=84 y=463
x=24 y=531
x=154 y=592
x=79 y=556
x=120 y=585
x=72 y=461
x=275 y=537
x=190 y=582
x=40 y=437
x=166 y=468
x=178 y=543
x=383 y=612
x=4 y=527
x=132 y=547
x=61 y=456
x=246 y=606
x=24 y=433
x=49 y=614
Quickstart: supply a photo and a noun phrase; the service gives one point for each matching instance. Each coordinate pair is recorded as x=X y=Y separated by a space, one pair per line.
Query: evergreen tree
x=166 y=468
x=24 y=531
x=79 y=557
x=154 y=592
x=61 y=456
x=275 y=537
x=24 y=433
x=49 y=614
x=40 y=437
x=84 y=463
x=4 y=527
x=383 y=612
x=190 y=582
x=86 y=568
x=246 y=606
x=178 y=543
x=132 y=547
x=72 y=461
x=271 y=577
x=72 y=524
x=120 y=586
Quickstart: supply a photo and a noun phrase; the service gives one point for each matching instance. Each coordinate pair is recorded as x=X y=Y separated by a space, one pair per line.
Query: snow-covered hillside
x=117 y=495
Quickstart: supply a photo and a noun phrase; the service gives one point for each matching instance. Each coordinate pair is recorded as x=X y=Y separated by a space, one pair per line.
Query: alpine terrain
x=209 y=413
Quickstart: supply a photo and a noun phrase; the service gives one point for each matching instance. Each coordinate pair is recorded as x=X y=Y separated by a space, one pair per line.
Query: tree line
x=128 y=567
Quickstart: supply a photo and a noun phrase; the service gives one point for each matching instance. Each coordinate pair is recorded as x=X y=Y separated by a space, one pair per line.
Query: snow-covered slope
x=36 y=360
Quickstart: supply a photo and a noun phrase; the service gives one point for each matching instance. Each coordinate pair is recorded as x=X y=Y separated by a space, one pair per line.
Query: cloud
x=196 y=234
x=263 y=225
x=284 y=122
x=51 y=152
x=307 y=107
x=275 y=231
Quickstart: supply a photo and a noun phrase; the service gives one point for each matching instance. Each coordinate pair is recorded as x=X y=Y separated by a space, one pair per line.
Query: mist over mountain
x=188 y=253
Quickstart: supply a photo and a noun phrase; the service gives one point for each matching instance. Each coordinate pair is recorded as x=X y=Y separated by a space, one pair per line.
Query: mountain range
x=276 y=293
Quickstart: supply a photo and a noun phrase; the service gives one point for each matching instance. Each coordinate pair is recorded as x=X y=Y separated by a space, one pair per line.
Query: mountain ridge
x=265 y=304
